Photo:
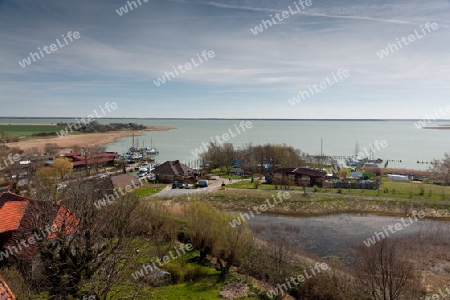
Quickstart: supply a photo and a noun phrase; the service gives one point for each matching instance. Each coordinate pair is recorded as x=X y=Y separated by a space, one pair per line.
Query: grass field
x=27 y=130
x=149 y=189
x=391 y=189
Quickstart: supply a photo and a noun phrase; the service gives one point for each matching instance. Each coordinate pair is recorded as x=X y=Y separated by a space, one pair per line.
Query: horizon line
x=212 y=118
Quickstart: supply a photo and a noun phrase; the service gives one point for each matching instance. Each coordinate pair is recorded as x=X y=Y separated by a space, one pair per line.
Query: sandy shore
x=91 y=139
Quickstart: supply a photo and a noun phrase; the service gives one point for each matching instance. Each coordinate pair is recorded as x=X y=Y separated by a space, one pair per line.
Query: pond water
x=339 y=234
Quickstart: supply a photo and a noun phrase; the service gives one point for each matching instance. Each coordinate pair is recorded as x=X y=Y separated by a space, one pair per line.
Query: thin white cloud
x=119 y=57
x=307 y=13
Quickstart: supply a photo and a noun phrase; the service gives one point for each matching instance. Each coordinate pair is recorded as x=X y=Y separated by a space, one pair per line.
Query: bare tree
x=441 y=171
x=91 y=156
x=91 y=245
x=51 y=148
x=383 y=273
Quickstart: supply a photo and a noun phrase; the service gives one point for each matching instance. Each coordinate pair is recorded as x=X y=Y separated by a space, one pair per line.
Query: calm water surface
x=404 y=141
x=336 y=234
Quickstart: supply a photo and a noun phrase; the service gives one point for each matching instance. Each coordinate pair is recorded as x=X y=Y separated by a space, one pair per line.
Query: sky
x=118 y=58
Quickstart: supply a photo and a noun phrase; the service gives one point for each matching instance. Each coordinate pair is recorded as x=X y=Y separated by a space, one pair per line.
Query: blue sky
x=117 y=59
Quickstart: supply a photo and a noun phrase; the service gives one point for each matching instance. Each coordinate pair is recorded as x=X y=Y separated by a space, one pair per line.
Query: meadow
x=28 y=130
x=388 y=189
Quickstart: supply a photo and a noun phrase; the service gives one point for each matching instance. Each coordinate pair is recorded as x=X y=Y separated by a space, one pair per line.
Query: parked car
x=177 y=185
x=151 y=177
x=203 y=183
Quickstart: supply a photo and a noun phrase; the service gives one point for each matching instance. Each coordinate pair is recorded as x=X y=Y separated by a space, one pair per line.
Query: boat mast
x=357 y=148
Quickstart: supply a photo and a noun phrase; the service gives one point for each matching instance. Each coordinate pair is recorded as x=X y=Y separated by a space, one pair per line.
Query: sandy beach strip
x=89 y=139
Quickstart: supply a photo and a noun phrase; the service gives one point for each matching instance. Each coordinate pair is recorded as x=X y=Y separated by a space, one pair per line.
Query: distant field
x=26 y=130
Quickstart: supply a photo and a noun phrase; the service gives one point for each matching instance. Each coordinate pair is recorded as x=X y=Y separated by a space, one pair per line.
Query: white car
x=142 y=174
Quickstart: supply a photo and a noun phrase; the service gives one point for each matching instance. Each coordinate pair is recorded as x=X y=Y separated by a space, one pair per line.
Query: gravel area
x=213 y=185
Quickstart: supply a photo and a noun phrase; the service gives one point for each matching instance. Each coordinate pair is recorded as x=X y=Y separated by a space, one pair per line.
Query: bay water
x=403 y=140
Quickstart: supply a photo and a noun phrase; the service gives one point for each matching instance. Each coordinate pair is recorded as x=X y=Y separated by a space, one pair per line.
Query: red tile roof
x=97 y=158
x=90 y=161
x=11 y=214
x=18 y=216
x=64 y=219
x=5 y=292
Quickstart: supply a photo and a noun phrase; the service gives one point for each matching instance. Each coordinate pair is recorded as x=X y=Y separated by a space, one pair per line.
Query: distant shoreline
x=444 y=127
x=209 y=119
x=85 y=139
x=28 y=124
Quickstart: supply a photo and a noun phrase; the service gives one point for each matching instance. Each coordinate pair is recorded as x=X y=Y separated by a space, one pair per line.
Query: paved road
x=213 y=185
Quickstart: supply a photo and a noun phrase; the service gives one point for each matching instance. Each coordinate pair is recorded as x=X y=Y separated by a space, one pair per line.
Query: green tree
x=201 y=227
x=232 y=244
x=63 y=167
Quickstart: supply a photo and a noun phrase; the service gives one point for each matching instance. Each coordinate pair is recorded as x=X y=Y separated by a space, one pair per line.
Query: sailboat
x=151 y=150
x=133 y=149
x=355 y=160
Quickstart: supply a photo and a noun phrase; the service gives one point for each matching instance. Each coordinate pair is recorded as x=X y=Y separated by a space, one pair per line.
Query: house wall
x=165 y=178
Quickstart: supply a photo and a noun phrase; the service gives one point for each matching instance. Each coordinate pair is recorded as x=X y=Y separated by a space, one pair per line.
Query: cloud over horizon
x=118 y=58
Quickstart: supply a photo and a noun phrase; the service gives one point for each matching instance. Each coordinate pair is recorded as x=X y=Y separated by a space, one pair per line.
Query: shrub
x=189 y=272
x=175 y=270
x=257 y=183
x=193 y=272
x=422 y=191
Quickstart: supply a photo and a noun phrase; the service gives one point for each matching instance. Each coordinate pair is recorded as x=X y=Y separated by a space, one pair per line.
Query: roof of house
x=173 y=168
x=63 y=219
x=5 y=291
x=79 y=156
x=302 y=171
x=11 y=215
x=97 y=158
x=90 y=161
x=123 y=180
x=20 y=215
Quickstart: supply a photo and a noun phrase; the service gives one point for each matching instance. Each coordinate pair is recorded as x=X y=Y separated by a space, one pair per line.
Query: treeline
x=252 y=158
x=94 y=126
x=8 y=138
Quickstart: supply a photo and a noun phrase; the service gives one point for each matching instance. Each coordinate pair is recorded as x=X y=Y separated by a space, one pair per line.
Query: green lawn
x=397 y=189
x=149 y=189
x=388 y=188
x=26 y=130
x=206 y=289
